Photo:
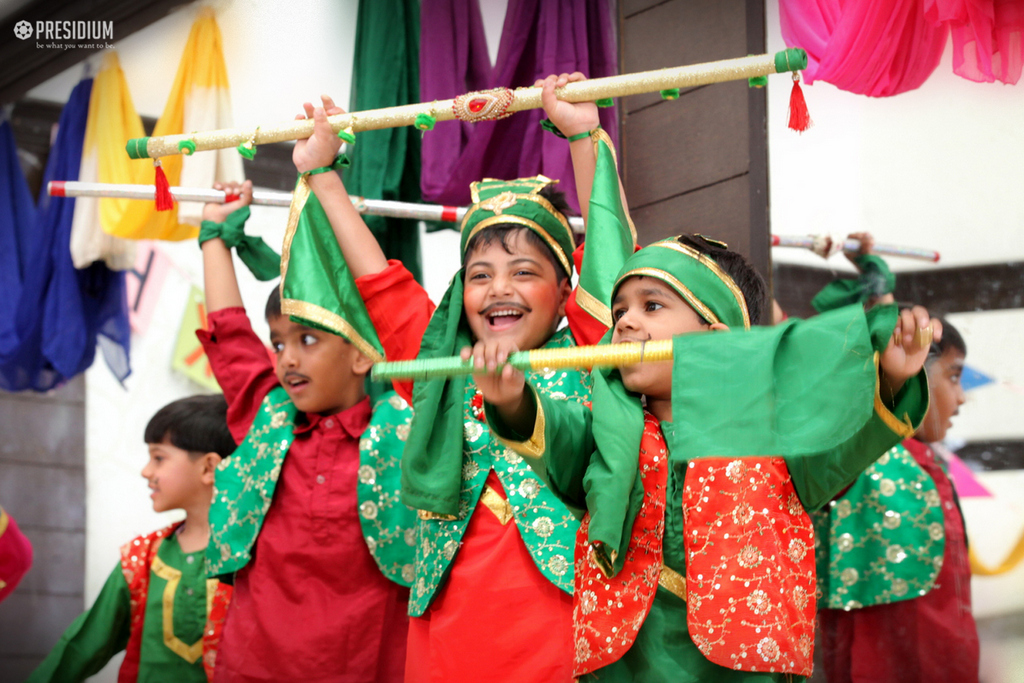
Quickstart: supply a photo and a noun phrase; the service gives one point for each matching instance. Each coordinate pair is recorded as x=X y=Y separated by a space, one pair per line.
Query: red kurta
x=496 y=617
x=15 y=554
x=929 y=639
x=311 y=606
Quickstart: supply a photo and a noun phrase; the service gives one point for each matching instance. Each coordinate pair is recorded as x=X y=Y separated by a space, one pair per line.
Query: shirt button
x=330 y=424
x=188 y=591
x=190 y=559
x=320 y=478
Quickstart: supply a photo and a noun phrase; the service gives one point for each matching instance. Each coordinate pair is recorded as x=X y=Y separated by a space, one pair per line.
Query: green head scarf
x=613 y=490
x=432 y=463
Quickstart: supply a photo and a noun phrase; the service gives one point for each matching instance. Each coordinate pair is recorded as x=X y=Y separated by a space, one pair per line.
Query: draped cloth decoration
x=538 y=39
x=886 y=47
x=386 y=163
x=112 y=120
x=988 y=37
x=62 y=312
x=199 y=100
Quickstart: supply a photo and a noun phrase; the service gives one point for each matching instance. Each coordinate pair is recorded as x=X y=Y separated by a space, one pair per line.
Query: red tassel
x=799 y=119
x=164 y=198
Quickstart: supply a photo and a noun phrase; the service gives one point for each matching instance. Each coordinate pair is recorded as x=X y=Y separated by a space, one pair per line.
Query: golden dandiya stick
x=486 y=105
x=600 y=355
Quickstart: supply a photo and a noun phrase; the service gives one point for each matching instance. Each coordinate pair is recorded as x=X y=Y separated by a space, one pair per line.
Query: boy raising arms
x=695 y=561
x=494 y=558
x=187 y=440
x=310 y=603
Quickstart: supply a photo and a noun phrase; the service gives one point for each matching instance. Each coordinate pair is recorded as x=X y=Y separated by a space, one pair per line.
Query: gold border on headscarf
x=527 y=223
x=710 y=263
x=537 y=199
x=600 y=135
x=590 y=303
x=332 y=321
x=299 y=198
x=698 y=305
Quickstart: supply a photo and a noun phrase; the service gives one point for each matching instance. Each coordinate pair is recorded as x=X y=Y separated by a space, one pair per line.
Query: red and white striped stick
x=821 y=244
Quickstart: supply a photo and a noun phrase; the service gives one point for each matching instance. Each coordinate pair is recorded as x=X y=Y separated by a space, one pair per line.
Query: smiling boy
x=495 y=545
x=695 y=560
x=157 y=603
x=310 y=602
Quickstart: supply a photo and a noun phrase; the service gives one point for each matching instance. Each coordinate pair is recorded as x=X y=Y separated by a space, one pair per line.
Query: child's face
x=321 y=372
x=947 y=395
x=646 y=309
x=177 y=480
x=513 y=296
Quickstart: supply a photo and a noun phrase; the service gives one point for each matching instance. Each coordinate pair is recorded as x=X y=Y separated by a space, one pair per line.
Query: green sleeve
x=559 y=448
x=93 y=638
x=818 y=477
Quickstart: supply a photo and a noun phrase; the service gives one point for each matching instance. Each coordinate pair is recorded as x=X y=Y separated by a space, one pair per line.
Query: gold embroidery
x=190 y=653
x=331 y=320
x=534 y=446
x=673 y=582
x=904 y=428
x=589 y=303
x=501 y=508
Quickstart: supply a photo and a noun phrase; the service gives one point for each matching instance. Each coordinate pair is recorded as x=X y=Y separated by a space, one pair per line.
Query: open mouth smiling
x=294 y=381
x=501 y=316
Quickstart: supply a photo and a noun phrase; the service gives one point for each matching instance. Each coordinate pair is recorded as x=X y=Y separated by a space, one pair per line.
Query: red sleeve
x=585 y=329
x=241 y=365
x=15 y=555
x=400 y=311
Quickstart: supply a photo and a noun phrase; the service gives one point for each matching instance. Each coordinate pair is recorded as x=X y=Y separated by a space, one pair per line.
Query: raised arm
x=219 y=280
x=360 y=248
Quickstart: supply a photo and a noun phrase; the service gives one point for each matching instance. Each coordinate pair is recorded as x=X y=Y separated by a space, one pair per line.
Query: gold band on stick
x=601 y=355
x=486 y=105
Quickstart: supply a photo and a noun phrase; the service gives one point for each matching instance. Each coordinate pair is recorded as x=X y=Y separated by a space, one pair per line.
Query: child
x=697 y=559
x=310 y=603
x=157 y=603
x=893 y=564
x=494 y=558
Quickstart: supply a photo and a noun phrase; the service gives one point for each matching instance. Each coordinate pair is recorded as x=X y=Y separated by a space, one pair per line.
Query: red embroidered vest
x=136 y=562
x=750 y=567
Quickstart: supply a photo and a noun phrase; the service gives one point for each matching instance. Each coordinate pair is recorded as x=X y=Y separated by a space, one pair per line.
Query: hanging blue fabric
x=63 y=312
x=17 y=217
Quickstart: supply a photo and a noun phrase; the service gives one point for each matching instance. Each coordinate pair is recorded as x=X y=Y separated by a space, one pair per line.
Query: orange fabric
x=136 y=559
x=749 y=565
x=608 y=613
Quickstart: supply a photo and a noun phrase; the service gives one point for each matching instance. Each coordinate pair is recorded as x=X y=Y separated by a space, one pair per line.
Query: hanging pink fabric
x=988 y=37
x=870 y=47
x=538 y=38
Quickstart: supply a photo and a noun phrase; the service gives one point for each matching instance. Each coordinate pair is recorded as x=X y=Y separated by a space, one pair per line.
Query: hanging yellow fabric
x=199 y=100
x=1009 y=564
x=112 y=119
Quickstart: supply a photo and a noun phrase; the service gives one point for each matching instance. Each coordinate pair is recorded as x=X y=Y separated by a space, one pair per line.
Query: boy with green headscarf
x=494 y=554
x=695 y=558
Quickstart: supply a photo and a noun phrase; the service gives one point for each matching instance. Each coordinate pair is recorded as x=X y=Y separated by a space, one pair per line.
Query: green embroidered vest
x=389 y=527
x=547 y=527
x=883 y=540
x=245 y=483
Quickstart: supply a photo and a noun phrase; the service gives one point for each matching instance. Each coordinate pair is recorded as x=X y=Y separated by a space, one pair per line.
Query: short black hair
x=197 y=424
x=951 y=339
x=506 y=232
x=273 y=309
x=746 y=277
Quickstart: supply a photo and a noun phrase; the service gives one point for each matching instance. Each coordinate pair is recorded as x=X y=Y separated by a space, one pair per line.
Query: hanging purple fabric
x=17 y=217
x=538 y=39
x=870 y=47
x=62 y=313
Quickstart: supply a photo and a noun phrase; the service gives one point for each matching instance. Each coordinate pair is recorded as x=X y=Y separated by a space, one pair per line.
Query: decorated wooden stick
x=601 y=355
x=486 y=105
x=825 y=246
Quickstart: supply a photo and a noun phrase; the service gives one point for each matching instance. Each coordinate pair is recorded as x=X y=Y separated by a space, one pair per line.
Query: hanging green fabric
x=875 y=280
x=386 y=163
x=262 y=261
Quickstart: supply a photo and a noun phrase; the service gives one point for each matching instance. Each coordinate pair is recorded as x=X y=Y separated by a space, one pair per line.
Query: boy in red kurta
x=311 y=605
